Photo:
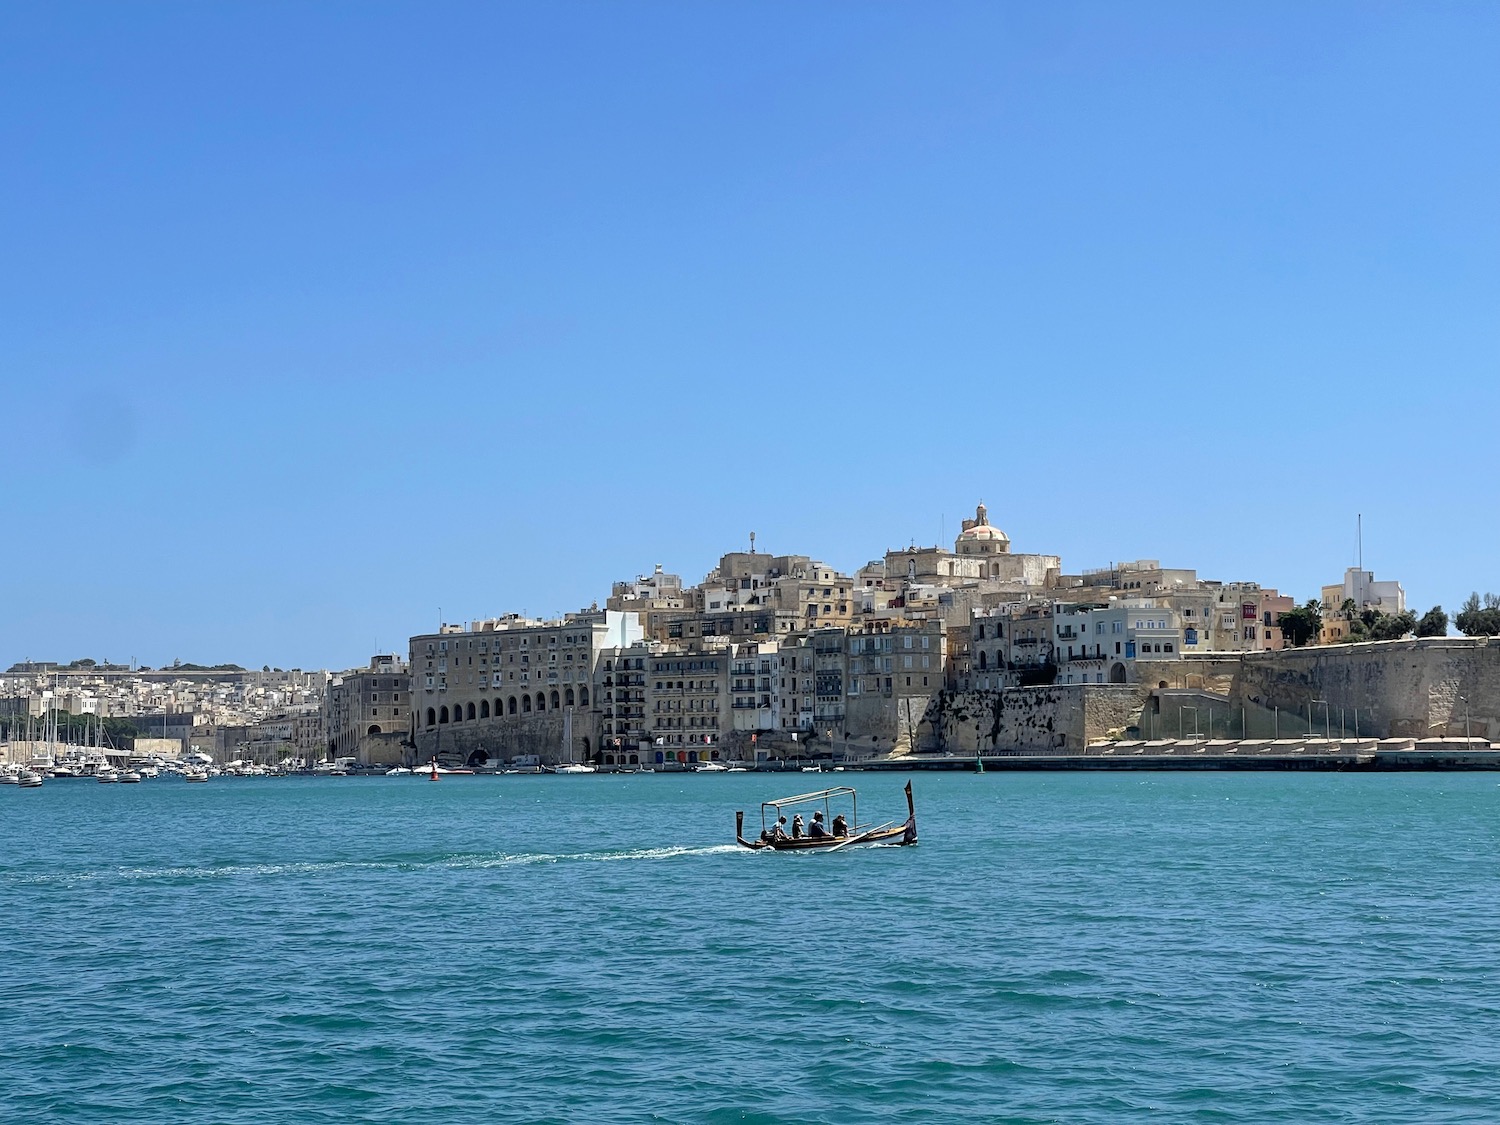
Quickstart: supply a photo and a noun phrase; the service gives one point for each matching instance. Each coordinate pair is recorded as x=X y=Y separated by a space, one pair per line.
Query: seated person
x=840 y=825
x=797 y=827
x=818 y=830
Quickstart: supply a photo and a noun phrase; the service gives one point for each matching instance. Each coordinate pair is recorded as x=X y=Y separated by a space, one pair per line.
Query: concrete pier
x=1384 y=754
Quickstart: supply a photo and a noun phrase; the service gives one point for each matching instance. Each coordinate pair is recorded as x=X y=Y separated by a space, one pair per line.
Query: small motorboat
x=845 y=831
x=398 y=771
x=29 y=779
x=130 y=777
x=574 y=767
x=194 y=775
x=107 y=776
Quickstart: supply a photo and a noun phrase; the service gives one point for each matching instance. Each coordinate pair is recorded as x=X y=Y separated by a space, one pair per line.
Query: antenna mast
x=1359 y=538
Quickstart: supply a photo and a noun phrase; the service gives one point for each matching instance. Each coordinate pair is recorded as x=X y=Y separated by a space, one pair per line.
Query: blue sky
x=318 y=318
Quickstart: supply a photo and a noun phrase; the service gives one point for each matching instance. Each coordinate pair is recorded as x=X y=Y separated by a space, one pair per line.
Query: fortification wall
x=1060 y=718
x=1416 y=688
x=1203 y=673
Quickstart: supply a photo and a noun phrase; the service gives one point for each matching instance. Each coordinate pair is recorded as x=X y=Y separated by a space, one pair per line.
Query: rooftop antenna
x=1359 y=537
x=752 y=542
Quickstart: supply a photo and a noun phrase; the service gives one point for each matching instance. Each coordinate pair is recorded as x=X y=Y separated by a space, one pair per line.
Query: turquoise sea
x=1058 y=948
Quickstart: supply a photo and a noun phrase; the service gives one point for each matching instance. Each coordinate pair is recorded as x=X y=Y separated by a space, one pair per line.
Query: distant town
x=977 y=649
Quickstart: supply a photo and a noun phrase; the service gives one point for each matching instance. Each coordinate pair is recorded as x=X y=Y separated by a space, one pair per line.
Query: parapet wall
x=1416 y=688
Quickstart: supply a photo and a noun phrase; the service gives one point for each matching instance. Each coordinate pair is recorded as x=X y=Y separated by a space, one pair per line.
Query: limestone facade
x=367 y=713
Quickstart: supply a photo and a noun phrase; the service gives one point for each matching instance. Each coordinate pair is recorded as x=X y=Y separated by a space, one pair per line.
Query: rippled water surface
x=1059 y=948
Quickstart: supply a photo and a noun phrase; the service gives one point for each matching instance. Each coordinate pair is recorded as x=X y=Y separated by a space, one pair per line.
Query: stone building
x=368 y=712
x=513 y=687
x=1359 y=586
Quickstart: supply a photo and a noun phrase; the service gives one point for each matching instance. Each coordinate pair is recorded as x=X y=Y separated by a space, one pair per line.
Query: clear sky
x=318 y=319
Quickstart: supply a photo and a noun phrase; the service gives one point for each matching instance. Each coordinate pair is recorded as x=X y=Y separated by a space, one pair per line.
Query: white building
x=1360 y=587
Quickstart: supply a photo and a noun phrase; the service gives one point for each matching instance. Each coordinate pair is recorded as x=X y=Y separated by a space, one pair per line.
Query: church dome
x=979 y=531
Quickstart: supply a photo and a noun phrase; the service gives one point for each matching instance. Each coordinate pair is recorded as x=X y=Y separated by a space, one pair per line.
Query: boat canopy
x=809 y=798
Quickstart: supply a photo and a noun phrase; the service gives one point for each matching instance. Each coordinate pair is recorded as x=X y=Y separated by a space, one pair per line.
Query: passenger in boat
x=777 y=831
x=817 y=829
x=797 y=827
x=840 y=826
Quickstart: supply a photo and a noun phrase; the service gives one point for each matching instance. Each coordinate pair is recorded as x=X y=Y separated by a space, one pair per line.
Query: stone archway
x=1117 y=673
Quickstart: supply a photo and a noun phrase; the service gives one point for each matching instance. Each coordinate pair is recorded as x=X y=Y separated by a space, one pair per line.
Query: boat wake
x=311 y=869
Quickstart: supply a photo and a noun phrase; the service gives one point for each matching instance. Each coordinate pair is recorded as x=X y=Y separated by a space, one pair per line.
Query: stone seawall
x=1058 y=719
x=1415 y=688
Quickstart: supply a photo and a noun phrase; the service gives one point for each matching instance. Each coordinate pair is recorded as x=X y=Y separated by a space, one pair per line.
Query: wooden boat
x=826 y=801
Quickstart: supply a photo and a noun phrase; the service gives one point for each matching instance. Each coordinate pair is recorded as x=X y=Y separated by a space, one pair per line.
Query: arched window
x=443 y=714
x=983 y=661
x=470 y=715
x=556 y=702
x=499 y=706
x=526 y=703
x=541 y=701
x=484 y=708
x=583 y=696
x=568 y=697
x=431 y=717
x=511 y=706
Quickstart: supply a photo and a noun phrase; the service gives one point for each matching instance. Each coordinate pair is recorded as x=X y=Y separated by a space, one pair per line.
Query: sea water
x=1091 y=948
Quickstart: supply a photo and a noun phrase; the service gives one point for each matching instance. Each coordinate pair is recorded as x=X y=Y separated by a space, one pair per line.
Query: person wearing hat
x=818 y=830
x=797 y=827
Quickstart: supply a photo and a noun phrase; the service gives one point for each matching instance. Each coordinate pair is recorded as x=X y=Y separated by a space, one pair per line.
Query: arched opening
x=583 y=696
x=585 y=748
x=499 y=706
x=541 y=701
x=525 y=704
x=374 y=729
x=484 y=708
x=983 y=661
x=568 y=697
x=635 y=759
x=609 y=759
x=510 y=706
x=443 y=714
x=556 y=700
x=1117 y=673
x=431 y=717
x=470 y=714
x=479 y=758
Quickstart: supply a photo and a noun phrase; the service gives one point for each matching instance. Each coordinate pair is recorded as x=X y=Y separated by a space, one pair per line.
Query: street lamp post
x=1327 y=725
x=1194 y=710
x=1467 y=732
